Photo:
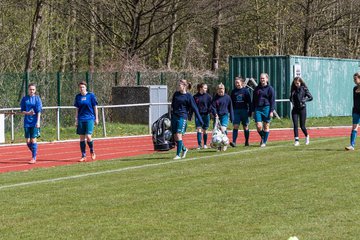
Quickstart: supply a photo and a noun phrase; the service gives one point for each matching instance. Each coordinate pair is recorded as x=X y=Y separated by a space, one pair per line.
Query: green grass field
x=245 y=193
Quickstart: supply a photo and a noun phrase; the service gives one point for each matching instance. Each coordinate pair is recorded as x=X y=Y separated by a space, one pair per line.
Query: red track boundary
x=16 y=157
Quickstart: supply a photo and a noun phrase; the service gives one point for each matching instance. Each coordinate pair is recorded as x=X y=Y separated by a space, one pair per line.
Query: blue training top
x=85 y=105
x=241 y=98
x=264 y=96
x=222 y=105
x=203 y=102
x=183 y=104
x=31 y=103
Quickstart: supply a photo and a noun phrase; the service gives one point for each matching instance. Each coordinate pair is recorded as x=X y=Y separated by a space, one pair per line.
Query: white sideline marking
x=141 y=166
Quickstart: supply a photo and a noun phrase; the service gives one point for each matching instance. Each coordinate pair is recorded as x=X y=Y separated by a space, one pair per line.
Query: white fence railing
x=103 y=118
x=101 y=115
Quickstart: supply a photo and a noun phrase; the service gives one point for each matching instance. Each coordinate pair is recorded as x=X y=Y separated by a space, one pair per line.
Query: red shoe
x=32 y=161
x=83 y=159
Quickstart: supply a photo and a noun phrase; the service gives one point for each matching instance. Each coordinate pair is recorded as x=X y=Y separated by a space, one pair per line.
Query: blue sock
x=83 y=148
x=261 y=133
x=34 y=150
x=205 y=138
x=235 y=134
x=179 y=147
x=266 y=135
x=29 y=145
x=353 y=137
x=247 y=135
x=199 y=138
x=91 y=146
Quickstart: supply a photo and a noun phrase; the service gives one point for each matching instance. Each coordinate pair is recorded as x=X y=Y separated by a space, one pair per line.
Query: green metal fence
x=59 y=89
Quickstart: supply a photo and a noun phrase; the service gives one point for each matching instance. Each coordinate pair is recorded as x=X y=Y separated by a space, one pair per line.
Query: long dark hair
x=302 y=83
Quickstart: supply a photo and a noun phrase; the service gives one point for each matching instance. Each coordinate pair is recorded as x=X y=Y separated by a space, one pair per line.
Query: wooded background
x=133 y=35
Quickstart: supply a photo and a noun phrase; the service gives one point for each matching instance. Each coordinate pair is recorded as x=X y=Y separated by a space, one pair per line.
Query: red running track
x=16 y=157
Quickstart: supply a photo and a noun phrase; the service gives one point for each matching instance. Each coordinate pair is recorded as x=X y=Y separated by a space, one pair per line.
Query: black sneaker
x=233 y=144
x=247 y=144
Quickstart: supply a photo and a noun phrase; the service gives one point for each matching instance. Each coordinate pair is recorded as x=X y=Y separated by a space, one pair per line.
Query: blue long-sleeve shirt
x=203 y=102
x=222 y=105
x=183 y=104
x=241 y=99
x=264 y=96
x=27 y=104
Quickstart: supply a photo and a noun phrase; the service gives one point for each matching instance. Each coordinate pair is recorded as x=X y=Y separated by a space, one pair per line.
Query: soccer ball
x=167 y=135
x=167 y=123
x=216 y=140
x=225 y=140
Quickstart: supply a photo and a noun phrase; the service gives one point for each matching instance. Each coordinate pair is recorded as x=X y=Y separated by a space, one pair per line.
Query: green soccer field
x=245 y=193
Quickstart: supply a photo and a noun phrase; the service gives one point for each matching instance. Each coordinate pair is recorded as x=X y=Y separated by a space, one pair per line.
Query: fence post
x=27 y=76
x=103 y=121
x=162 y=78
x=138 y=78
x=58 y=78
x=116 y=78
x=87 y=78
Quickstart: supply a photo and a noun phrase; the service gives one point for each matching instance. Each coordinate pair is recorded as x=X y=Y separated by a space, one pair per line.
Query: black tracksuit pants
x=297 y=114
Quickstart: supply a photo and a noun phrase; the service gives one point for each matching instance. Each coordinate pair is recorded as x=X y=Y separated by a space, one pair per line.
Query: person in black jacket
x=298 y=97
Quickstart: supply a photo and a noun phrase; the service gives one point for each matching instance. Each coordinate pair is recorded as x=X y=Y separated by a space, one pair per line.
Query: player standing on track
x=203 y=102
x=241 y=101
x=298 y=96
x=182 y=104
x=355 y=112
x=221 y=108
x=31 y=107
x=263 y=106
x=85 y=117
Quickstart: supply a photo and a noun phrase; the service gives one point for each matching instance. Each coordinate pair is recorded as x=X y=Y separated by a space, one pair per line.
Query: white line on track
x=51 y=180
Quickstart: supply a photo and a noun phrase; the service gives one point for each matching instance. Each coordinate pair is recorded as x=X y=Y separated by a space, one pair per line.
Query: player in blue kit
x=263 y=107
x=182 y=104
x=85 y=117
x=31 y=107
x=221 y=108
x=241 y=101
x=203 y=102
x=355 y=112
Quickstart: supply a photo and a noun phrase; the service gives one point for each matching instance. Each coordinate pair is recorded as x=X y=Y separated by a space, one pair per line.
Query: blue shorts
x=355 y=118
x=206 y=120
x=178 y=125
x=241 y=115
x=32 y=132
x=85 y=127
x=262 y=114
x=224 y=120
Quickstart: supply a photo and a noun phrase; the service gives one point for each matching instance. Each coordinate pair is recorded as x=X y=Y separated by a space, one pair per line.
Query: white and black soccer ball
x=167 y=135
x=225 y=140
x=216 y=140
x=167 y=123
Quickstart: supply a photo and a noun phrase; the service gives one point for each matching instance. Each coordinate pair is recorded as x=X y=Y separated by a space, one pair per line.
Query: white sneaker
x=177 y=157
x=205 y=147
x=263 y=145
x=296 y=143
x=307 y=140
x=198 y=148
x=349 y=148
x=224 y=148
x=184 y=153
